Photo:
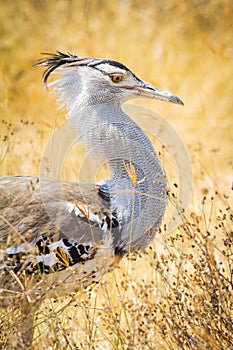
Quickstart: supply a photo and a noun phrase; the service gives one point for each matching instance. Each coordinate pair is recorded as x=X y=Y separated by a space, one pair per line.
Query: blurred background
x=185 y=47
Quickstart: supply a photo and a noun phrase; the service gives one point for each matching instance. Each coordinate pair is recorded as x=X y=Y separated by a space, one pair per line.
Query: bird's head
x=100 y=79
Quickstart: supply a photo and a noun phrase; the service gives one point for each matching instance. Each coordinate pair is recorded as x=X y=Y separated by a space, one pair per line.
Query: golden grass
x=177 y=295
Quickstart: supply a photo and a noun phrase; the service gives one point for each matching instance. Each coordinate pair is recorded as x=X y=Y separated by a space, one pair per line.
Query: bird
x=60 y=236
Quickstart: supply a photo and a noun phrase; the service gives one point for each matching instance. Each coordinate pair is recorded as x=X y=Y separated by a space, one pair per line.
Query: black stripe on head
x=113 y=64
x=54 y=61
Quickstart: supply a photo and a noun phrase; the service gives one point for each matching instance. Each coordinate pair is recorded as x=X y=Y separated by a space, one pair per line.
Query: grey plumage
x=42 y=218
x=109 y=133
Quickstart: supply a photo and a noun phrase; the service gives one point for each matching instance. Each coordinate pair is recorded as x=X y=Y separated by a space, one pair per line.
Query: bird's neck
x=109 y=133
x=138 y=185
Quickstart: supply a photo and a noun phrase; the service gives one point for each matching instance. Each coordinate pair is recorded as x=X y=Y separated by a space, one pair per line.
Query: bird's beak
x=150 y=91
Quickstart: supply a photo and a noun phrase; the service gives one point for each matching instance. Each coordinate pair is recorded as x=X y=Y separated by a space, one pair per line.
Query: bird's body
x=53 y=228
x=51 y=246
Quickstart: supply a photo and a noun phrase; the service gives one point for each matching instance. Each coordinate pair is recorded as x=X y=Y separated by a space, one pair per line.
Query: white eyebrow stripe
x=109 y=69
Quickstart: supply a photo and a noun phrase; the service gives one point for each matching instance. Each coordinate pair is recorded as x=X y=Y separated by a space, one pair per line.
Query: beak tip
x=177 y=100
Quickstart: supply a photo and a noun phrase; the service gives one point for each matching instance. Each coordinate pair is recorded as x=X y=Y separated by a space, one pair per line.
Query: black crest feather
x=53 y=61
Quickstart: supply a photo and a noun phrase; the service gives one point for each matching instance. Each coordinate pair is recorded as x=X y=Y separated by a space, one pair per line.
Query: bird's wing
x=51 y=214
x=28 y=204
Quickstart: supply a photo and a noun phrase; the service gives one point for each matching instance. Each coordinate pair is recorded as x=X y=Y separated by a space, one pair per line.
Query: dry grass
x=177 y=295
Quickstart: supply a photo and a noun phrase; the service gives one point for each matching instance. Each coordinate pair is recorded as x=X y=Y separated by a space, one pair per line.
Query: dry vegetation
x=178 y=294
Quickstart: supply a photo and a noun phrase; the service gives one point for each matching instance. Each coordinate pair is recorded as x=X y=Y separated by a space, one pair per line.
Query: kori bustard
x=62 y=236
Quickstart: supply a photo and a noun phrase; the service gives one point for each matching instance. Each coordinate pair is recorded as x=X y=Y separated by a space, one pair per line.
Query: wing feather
x=31 y=207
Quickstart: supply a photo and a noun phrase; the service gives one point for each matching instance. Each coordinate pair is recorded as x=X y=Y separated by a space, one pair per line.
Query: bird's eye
x=116 y=78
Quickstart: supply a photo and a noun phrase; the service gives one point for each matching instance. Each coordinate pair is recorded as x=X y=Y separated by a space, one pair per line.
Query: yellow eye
x=116 y=78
